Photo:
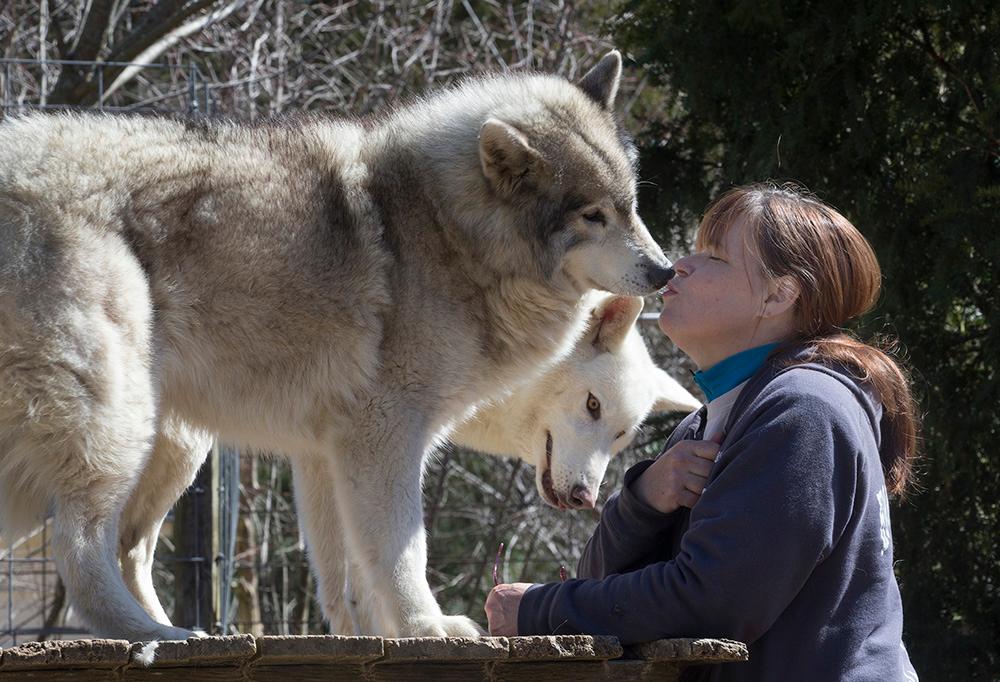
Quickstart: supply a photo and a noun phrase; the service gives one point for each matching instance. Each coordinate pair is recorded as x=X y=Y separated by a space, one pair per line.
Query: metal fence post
x=192 y=90
x=193 y=553
x=6 y=87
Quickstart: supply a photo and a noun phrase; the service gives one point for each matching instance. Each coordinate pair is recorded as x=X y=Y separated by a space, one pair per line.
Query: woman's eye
x=593 y=406
x=595 y=216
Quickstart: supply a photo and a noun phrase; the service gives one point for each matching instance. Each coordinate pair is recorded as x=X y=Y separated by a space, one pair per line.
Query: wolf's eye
x=620 y=434
x=593 y=406
x=596 y=216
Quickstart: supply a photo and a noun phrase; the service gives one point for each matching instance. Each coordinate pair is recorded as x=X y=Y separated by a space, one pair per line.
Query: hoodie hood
x=794 y=358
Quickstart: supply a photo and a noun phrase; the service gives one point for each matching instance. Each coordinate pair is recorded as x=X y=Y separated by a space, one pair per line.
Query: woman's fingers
x=697 y=465
x=706 y=449
x=678 y=477
x=688 y=499
x=695 y=483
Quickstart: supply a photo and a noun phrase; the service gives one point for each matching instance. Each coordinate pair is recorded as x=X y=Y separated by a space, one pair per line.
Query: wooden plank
x=567 y=670
x=81 y=653
x=325 y=672
x=231 y=650
x=437 y=671
x=444 y=649
x=689 y=650
x=77 y=675
x=190 y=673
x=317 y=649
x=563 y=647
x=243 y=658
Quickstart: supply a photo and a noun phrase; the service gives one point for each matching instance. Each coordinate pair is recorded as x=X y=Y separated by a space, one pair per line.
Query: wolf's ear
x=508 y=161
x=601 y=82
x=613 y=319
x=670 y=396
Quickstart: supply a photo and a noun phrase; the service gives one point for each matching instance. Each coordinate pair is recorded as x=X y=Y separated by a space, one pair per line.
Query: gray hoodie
x=789 y=548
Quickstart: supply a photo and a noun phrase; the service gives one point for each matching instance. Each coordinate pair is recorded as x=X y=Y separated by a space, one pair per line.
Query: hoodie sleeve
x=628 y=531
x=767 y=517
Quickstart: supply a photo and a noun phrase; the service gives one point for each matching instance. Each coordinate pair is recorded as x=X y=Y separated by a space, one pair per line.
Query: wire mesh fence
x=164 y=88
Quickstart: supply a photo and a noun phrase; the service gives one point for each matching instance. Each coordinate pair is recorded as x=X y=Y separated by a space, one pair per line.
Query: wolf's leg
x=89 y=500
x=380 y=501
x=320 y=524
x=178 y=452
x=363 y=613
x=101 y=471
x=76 y=366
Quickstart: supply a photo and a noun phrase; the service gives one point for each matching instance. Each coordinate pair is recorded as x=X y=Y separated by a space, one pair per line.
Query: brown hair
x=793 y=234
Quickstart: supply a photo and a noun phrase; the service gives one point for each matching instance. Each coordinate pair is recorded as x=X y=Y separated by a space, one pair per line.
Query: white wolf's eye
x=593 y=406
x=595 y=216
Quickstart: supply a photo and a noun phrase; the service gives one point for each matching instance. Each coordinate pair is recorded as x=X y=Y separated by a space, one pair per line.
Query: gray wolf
x=341 y=292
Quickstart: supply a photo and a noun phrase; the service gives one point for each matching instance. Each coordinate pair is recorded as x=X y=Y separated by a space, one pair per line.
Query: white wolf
x=341 y=292
x=569 y=421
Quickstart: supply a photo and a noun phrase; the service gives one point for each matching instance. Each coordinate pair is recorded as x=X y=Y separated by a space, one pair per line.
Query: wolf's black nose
x=658 y=277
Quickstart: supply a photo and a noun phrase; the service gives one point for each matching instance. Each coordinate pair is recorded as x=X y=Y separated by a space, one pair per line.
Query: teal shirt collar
x=733 y=371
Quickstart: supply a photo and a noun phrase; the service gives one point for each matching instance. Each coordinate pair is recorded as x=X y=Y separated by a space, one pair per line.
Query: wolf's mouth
x=548 y=490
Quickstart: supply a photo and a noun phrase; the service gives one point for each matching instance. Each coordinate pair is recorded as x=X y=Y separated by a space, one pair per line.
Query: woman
x=766 y=517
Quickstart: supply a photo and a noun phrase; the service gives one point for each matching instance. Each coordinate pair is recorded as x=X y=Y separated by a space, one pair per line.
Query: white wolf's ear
x=601 y=82
x=508 y=161
x=613 y=319
x=670 y=396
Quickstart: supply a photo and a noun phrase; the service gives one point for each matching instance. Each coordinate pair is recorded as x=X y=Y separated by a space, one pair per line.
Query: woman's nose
x=681 y=267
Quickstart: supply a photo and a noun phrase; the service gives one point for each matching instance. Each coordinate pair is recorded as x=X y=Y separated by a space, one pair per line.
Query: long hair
x=793 y=234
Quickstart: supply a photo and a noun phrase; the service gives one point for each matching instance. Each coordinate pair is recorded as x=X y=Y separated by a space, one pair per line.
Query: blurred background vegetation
x=890 y=111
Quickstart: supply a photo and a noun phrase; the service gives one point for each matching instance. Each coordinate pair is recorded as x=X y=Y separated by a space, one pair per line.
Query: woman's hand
x=501 y=608
x=678 y=477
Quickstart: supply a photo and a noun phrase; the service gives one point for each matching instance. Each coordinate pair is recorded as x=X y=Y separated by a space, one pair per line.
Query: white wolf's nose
x=581 y=498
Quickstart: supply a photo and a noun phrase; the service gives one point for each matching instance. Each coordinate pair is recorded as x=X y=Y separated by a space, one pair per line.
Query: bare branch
x=161 y=20
x=154 y=51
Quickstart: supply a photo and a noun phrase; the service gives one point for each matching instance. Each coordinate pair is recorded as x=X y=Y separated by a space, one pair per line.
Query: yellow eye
x=620 y=434
x=593 y=406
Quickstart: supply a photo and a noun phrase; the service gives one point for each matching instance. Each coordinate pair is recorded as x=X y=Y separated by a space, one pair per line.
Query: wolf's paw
x=447 y=626
x=172 y=633
x=145 y=655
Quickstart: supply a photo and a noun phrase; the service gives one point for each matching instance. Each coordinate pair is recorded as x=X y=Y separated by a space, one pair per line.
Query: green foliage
x=891 y=112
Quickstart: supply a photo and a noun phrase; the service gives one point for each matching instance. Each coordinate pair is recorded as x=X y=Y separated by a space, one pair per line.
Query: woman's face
x=712 y=307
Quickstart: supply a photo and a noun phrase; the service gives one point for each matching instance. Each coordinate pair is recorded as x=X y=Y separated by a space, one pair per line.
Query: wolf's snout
x=659 y=276
x=581 y=498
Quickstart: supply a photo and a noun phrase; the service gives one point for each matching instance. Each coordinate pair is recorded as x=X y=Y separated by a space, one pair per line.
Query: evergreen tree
x=891 y=113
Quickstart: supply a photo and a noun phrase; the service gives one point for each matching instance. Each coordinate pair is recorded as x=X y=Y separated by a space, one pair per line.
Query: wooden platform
x=332 y=658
